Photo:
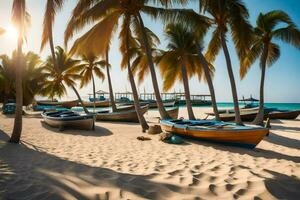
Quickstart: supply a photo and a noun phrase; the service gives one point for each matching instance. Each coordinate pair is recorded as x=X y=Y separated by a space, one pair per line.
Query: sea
x=280 y=106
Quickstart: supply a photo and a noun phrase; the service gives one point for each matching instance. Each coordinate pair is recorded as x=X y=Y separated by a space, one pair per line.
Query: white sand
x=111 y=163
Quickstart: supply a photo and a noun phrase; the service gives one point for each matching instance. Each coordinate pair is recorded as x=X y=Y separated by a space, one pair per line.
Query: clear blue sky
x=282 y=79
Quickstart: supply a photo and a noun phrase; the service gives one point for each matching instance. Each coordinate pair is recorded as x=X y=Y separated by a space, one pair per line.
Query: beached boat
x=68 y=119
x=64 y=104
x=284 y=114
x=227 y=133
x=121 y=116
x=173 y=112
x=247 y=114
x=104 y=103
x=153 y=103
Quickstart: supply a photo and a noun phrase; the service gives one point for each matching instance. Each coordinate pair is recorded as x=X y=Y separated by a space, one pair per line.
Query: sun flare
x=11 y=32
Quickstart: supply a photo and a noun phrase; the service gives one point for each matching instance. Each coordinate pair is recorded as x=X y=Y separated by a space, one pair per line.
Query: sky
x=282 y=79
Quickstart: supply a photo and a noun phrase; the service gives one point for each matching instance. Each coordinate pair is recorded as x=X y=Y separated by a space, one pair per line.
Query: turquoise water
x=281 y=106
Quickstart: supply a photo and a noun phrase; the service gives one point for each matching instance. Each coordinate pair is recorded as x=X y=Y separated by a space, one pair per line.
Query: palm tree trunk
x=111 y=92
x=259 y=119
x=136 y=100
x=238 y=119
x=52 y=49
x=80 y=100
x=162 y=111
x=187 y=93
x=210 y=84
x=94 y=91
x=17 y=130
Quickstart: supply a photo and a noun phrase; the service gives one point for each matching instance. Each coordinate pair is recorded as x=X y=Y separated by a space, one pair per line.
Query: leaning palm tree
x=21 y=19
x=140 y=65
x=274 y=25
x=89 y=68
x=111 y=92
x=60 y=77
x=106 y=15
x=128 y=44
x=228 y=15
x=52 y=7
x=181 y=60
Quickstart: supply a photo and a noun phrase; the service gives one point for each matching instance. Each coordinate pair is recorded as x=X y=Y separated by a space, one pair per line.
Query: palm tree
x=21 y=19
x=111 y=92
x=52 y=7
x=32 y=77
x=89 y=67
x=59 y=78
x=128 y=45
x=140 y=65
x=106 y=15
x=228 y=15
x=7 y=78
x=181 y=60
x=274 y=25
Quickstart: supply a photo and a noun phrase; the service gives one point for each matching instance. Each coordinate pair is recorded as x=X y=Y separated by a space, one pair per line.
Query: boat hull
x=248 y=137
x=80 y=122
x=64 y=104
x=121 y=116
x=284 y=115
x=105 y=103
x=166 y=103
x=173 y=113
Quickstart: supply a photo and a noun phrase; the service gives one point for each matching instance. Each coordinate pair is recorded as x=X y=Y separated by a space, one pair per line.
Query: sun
x=11 y=32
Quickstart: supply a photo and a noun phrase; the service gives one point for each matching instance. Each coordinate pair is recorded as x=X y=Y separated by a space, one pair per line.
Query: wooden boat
x=227 y=133
x=104 y=103
x=284 y=114
x=68 y=119
x=247 y=115
x=173 y=112
x=64 y=104
x=153 y=104
x=121 y=116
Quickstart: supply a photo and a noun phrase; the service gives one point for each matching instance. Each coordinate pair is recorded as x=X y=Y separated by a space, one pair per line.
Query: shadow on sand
x=286 y=128
x=27 y=173
x=98 y=132
x=283 y=141
x=257 y=152
x=282 y=186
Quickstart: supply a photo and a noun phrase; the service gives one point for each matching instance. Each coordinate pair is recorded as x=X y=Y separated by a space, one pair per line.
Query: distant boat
x=247 y=114
x=284 y=114
x=121 y=116
x=64 y=104
x=227 y=133
x=103 y=103
x=153 y=103
x=68 y=119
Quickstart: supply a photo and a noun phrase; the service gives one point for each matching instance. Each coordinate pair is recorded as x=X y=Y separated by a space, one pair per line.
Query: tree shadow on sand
x=98 y=132
x=286 y=128
x=257 y=152
x=282 y=186
x=27 y=173
x=283 y=141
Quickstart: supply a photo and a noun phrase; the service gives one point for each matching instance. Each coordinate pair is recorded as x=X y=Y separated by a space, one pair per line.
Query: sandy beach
x=110 y=163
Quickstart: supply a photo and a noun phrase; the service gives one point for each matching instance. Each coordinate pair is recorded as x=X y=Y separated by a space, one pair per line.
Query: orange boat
x=221 y=132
